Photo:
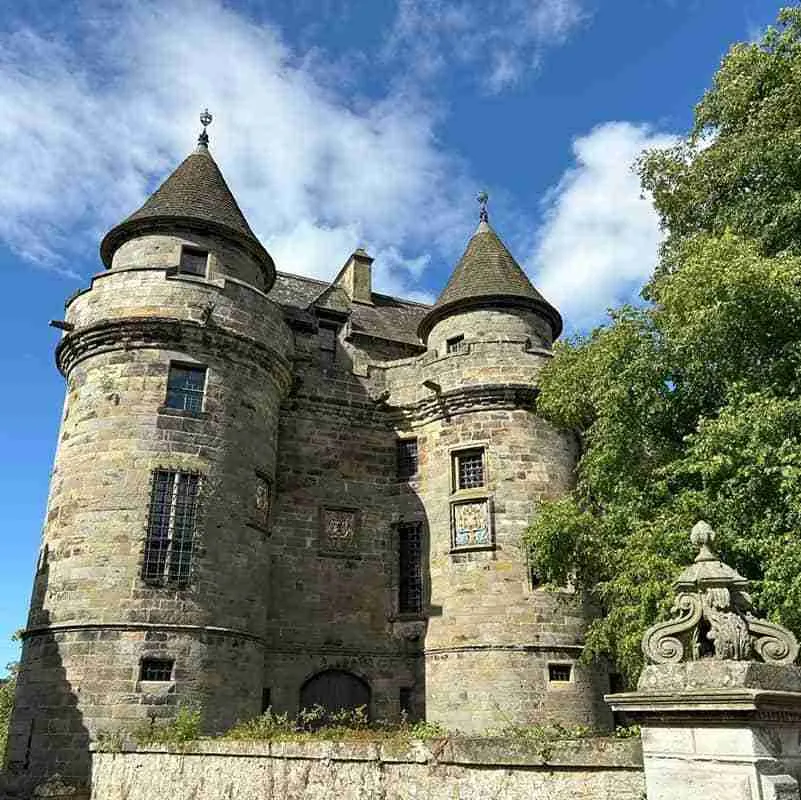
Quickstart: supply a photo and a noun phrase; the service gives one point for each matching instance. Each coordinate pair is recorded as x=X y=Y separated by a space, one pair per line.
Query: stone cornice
x=74 y=627
x=128 y=333
x=467 y=399
x=712 y=706
x=464 y=400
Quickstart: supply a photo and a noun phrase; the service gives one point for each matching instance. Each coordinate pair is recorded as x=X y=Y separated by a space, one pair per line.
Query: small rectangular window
x=185 y=387
x=405 y=697
x=266 y=699
x=468 y=469
x=407 y=458
x=328 y=345
x=171 y=524
x=194 y=261
x=534 y=577
x=410 y=584
x=156 y=669
x=560 y=673
x=454 y=345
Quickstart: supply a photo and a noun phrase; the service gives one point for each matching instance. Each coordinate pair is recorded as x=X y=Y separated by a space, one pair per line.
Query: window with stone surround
x=410 y=567
x=560 y=673
x=156 y=669
x=171 y=523
x=454 y=345
x=185 y=387
x=328 y=345
x=468 y=469
x=407 y=458
x=194 y=261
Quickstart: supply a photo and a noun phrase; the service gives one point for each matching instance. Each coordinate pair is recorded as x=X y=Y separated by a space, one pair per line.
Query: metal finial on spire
x=483 y=199
x=205 y=121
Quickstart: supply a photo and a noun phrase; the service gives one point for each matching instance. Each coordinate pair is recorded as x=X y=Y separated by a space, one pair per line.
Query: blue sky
x=338 y=123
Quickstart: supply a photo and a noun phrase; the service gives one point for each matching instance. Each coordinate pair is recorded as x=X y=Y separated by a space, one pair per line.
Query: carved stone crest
x=713 y=617
x=339 y=529
x=471 y=524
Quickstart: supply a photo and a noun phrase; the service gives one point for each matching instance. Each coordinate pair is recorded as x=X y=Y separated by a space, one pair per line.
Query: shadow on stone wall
x=48 y=740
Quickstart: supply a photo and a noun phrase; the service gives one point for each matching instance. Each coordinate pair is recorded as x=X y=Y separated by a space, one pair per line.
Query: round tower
x=499 y=650
x=151 y=589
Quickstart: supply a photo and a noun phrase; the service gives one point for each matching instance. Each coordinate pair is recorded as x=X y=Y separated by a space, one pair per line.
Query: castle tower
x=151 y=583
x=499 y=649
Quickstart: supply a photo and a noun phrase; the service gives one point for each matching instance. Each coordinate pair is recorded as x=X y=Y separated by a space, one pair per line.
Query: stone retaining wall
x=465 y=769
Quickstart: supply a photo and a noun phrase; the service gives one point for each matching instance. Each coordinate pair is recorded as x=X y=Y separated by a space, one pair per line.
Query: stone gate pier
x=719 y=703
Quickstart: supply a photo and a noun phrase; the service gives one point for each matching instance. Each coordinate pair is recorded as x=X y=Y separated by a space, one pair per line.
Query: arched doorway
x=334 y=690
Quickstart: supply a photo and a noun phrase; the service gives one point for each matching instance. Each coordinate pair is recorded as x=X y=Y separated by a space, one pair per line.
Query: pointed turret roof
x=488 y=275
x=195 y=196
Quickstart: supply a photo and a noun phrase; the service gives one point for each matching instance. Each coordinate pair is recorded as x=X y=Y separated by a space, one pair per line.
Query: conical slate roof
x=487 y=275
x=195 y=196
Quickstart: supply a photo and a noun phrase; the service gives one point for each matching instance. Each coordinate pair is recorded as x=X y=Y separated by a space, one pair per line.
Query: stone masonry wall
x=491 y=634
x=93 y=618
x=332 y=602
x=458 y=770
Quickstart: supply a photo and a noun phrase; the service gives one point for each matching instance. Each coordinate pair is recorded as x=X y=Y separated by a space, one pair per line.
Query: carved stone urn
x=719 y=702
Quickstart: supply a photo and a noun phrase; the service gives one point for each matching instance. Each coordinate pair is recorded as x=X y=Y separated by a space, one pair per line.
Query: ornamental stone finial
x=714 y=618
x=205 y=121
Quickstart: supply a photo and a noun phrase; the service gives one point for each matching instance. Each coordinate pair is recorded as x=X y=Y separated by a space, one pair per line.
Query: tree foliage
x=691 y=407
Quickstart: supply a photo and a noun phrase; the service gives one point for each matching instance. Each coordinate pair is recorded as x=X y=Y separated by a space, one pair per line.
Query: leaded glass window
x=193 y=261
x=560 y=673
x=185 y=387
x=171 y=525
x=328 y=345
x=454 y=345
x=410 y=584
x=156 y=669
x=468 y=468
x=407 y=458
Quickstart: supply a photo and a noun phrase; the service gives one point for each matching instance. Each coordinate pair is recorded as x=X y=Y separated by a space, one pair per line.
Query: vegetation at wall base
x=346 y=725
x=690 y=407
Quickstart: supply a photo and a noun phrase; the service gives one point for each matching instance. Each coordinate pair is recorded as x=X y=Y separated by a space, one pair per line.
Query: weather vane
x=205 y=121
x=483 y=199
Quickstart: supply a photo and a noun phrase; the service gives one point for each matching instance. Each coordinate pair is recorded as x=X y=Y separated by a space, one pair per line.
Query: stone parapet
x=471 y=769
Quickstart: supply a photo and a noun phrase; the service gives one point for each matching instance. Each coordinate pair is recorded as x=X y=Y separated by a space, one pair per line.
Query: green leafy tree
x=691 y=407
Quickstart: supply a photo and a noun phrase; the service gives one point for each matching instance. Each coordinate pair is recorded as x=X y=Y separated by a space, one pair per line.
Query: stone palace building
x=274 y=491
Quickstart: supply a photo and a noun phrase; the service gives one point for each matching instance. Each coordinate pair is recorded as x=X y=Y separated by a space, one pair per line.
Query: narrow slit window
x=560 y=673
x=405 y=698
x=454 y=345
x=266 y=700
x=410 y=584
x=171 y=525
x=407 y=458
x=156 y=669
x=468 y=469
x=185 y=387
x=328 y=345
x=194 y=261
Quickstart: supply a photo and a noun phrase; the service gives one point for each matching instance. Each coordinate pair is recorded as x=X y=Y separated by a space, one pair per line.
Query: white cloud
x=86 y=135
x=599 y=241
x=499 y=40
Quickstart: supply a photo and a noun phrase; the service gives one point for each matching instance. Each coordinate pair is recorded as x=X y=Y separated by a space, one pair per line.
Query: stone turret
x=151 y=585
x=499 y=649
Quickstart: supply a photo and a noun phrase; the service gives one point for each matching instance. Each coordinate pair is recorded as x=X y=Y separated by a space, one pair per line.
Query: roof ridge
x=308 y=279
